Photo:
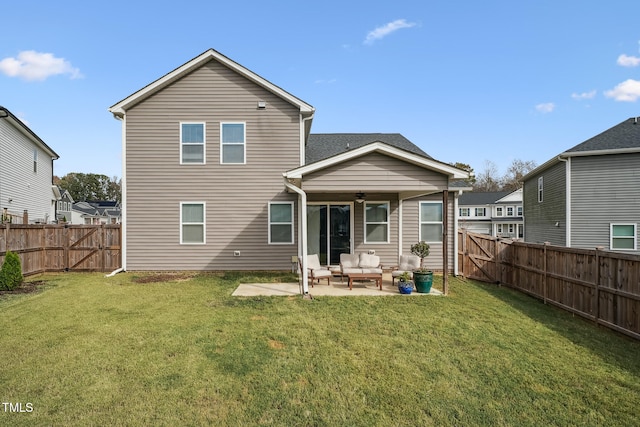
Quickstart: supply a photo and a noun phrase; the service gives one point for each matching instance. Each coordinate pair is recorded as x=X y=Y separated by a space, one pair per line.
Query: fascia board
x=119 y=109
x=382 y=148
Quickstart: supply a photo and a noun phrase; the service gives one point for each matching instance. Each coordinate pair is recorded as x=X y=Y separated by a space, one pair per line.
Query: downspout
x=455 y=232
x=302 y=235
x=123 y=194
x=567 y=171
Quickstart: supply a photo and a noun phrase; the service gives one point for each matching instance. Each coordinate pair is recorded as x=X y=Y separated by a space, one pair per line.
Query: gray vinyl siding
x=411 y=230
x=236 y=196
x=604 y=190
x=374 y=172
x=28 y=190
x=540 y=217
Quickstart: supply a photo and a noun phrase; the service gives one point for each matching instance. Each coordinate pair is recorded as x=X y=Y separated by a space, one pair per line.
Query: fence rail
x=57 y=247
x=599 y=285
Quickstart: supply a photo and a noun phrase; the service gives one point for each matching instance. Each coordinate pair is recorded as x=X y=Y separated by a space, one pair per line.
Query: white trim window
x=192 y=223
x=519 y=211
x=481 y=211
x=192 y=143
x=623 y=237
x=431 y=222
x=35 y=160
x=376 y=222
x=540 y=189
x=465 y=212
x=499 y=211
x=232 y=143
x=280 y=223
x=509 y=210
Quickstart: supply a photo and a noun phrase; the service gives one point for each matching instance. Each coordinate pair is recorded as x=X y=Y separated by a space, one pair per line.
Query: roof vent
x=347 y=145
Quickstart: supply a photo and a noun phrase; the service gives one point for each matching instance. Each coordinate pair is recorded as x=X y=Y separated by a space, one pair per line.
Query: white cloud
x=628 y=90
x=546 y=107
x=385 y=30
x=31 y=65
x=628 y=61
x=583 y=95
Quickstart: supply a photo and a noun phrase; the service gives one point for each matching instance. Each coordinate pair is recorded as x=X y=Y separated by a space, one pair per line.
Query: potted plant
x=423 y=277
x=405 y=285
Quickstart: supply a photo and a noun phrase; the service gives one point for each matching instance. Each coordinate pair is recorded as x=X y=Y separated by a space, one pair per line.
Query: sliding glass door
x=329 y=231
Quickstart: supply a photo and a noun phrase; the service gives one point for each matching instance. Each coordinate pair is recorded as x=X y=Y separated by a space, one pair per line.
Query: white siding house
x=26 y=172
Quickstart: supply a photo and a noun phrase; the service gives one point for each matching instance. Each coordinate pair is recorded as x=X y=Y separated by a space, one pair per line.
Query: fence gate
x=478 y=256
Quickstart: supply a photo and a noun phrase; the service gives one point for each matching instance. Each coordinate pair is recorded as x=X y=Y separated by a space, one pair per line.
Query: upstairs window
x=281 y=223
x=192 y=143
x=465 y=212
x=232 y=149
x=376 y=222
x=35 y=160
x=499 y=211
x=519 y=210
x=623 y=237
x=509 y=210
x=540 y=189
x=431 y=221
x=481 y=211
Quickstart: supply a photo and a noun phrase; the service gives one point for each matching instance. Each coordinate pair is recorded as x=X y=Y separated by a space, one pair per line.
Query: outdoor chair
x=315 y=271
x=408 y=263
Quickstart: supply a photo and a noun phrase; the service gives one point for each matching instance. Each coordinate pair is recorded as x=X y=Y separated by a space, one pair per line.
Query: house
x=496 y=213
x=589 y=195
x=26 y=173
x=96 y=212
x=221 y=172
x=64 y=206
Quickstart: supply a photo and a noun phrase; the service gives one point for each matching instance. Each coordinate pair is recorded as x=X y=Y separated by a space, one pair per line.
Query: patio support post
x=302 y=235
x=445 y=242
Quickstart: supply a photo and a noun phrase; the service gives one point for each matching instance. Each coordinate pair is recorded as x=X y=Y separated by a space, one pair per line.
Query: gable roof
x=5 y=114
x=119 y=109
x=321 y=146
x=478 y=198
x=623 y=136
x=620 y=139
x=421 y=160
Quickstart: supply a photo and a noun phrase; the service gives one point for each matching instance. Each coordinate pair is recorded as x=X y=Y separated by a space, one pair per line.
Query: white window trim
x=281 y=223
x=420 y=222
x=519 y=210
x=513 y=211
x=204 y=223
x=465 y=212
x=484 y=212
x=35 y=160
x=387 y=223
x=244 y=143
x=540 y=189
x=634 y=237
x=499 y=211
x=204 y=143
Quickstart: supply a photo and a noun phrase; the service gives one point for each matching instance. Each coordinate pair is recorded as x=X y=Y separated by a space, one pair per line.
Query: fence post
x=544 y=273
x=597 y=285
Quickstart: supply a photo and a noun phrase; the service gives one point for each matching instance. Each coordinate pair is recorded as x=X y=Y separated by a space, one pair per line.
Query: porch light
x=360 y=197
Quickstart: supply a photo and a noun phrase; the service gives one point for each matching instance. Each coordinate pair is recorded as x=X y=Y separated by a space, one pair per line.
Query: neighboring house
x=26 y=172
x=96 y=212
x=589 y=195
x=64 y=206
x=496 y=213
x=220 y=172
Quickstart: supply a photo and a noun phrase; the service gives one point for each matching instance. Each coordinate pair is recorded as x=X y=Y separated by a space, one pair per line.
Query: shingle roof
x=481 y=197
x=622 y=136
x=324 y=145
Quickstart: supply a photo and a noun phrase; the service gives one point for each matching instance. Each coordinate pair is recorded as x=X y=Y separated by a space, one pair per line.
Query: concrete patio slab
x=337 y=288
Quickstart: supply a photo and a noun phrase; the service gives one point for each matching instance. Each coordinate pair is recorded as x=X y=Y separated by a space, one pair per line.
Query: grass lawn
x=138 y=350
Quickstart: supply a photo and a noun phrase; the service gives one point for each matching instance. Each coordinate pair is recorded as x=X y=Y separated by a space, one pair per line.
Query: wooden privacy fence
x=600 y=285
x=57 y=247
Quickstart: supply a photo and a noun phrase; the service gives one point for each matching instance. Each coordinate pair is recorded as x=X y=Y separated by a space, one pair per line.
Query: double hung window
x=192 y=223
x=232 y=143
x=431 y=221
x=376 y=222
x=192 y=143
x=281 y=223
x=623 y=236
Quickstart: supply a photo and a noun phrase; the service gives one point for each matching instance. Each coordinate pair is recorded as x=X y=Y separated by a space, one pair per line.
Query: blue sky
x=467 y=81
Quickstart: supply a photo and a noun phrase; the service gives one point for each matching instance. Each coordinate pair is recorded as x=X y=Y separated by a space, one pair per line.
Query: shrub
x=11 y=272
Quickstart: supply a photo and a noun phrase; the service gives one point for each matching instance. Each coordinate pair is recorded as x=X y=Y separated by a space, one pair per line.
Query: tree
x=488 y=179
x=90 y=186
x=468 y=168
x=512 y=180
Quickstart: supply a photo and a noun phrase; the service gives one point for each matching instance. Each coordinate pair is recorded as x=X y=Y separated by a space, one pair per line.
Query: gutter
x=302 y=234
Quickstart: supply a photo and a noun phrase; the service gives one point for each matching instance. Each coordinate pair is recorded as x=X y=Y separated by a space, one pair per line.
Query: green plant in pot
x=405 y=285
x=423 y=277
